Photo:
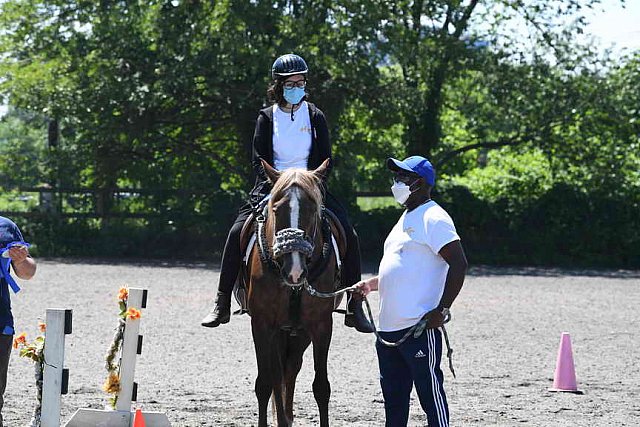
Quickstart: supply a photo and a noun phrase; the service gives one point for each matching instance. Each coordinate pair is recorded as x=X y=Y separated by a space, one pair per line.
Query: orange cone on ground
x=138 y=419
x=564 y=378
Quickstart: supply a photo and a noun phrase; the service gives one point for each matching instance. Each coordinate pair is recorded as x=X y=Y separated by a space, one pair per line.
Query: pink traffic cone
x=564 y=378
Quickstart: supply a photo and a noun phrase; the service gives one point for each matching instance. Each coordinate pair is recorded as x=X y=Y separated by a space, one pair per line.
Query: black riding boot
x=221 y=313
x=355 y=317
x=231 y=260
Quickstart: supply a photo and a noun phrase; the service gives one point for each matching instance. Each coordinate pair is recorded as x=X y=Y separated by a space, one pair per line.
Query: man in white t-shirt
x=420 y=275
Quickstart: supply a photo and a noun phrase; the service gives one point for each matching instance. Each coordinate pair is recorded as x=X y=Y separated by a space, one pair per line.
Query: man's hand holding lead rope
x=364 y=287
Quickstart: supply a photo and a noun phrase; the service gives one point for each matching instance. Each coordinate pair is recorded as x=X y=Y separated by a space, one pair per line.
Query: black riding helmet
x=288 y=65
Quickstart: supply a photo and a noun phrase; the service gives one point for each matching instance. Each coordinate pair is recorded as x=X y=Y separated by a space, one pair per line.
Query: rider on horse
x=291 y=133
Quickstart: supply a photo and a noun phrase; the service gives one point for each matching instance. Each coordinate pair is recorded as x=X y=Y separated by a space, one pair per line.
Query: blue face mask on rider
x=293 y=95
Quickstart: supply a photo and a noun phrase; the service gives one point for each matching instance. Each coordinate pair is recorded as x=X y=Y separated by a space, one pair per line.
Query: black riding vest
x=263 y=147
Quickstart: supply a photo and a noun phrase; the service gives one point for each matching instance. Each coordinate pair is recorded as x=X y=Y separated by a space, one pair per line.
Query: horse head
x=293 y=220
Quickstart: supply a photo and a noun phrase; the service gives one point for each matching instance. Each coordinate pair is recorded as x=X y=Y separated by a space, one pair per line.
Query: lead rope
x=416 y=330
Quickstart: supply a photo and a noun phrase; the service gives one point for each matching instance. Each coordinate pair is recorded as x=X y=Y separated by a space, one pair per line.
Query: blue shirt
x=9 y=232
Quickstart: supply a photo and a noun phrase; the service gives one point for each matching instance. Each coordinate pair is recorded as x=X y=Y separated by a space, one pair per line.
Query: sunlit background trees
x=129 y=123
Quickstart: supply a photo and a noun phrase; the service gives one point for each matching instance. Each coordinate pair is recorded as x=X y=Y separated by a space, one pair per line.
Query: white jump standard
x=131 y=346
x=55 y=377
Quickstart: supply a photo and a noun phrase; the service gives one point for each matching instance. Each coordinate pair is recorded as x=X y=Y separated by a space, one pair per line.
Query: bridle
x=285 y=241
x=290 y=240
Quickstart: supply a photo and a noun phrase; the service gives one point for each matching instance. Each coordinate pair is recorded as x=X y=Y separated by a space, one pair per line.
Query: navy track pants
x=416 y=361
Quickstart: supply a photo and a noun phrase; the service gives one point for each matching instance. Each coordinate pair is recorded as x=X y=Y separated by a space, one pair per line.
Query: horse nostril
x=296 y=277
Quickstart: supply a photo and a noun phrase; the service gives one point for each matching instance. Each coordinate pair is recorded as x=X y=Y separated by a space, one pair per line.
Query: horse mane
x=308 y=182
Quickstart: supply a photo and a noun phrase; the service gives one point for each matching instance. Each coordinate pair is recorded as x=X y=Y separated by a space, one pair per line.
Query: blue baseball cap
x=415 y=164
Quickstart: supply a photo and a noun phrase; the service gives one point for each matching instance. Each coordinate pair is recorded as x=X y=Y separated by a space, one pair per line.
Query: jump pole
x=122 y=416
x=55 y=377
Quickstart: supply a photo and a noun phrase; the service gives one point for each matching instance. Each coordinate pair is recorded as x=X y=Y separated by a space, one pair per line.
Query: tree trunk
x=105 y=179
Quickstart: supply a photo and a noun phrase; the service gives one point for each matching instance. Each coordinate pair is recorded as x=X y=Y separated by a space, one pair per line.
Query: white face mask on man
x=401 y=191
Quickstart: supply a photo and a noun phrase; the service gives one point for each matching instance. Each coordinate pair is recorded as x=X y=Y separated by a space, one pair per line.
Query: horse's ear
x=322 y=171
x=272 y=174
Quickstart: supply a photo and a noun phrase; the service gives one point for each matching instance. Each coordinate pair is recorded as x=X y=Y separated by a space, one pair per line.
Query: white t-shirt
x=291 y=139
x=412 y=274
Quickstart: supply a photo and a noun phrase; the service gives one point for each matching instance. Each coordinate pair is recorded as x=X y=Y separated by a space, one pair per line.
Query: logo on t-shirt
x=305 y=129
x=420 y=354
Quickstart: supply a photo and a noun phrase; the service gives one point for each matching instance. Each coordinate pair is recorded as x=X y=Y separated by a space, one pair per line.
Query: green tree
x=23 y=151
x=436 y=41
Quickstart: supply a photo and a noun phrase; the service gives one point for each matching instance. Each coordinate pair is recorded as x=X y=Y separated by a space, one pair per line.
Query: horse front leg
x=321 y=338
x=263 y=343
x=296 y=347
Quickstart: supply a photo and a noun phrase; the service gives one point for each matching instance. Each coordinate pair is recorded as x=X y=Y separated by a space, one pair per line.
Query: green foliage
x=160 y=97
x=366 y=140
x=23 y=156
x=517 y=180
x=15 y=201
x=122 y=238
x=371 y=203
x=562 y=227
x=372 y=227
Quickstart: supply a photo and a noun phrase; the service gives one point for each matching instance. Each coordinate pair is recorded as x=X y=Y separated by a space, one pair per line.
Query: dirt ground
x=505 y=332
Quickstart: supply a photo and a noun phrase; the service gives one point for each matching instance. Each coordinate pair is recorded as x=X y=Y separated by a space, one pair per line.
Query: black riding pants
x=232 y=258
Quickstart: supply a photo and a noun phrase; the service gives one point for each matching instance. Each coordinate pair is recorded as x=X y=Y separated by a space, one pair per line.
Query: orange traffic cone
x=564 y=378
x=138 y=419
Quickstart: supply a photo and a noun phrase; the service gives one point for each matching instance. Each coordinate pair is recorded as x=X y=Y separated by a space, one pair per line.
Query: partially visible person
x=420 y=275
x=14 y=255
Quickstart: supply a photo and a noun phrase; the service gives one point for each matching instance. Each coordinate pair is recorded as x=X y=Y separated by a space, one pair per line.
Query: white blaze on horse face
x=294 y=205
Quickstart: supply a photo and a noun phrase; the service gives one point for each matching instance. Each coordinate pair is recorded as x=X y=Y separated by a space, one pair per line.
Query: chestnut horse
x=289 y=262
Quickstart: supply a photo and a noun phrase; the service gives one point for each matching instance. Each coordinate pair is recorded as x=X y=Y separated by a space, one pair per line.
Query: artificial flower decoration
x=35 y=352
x=112 y=384
x=20 y=340
x=133 y=314
x=123 y=293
